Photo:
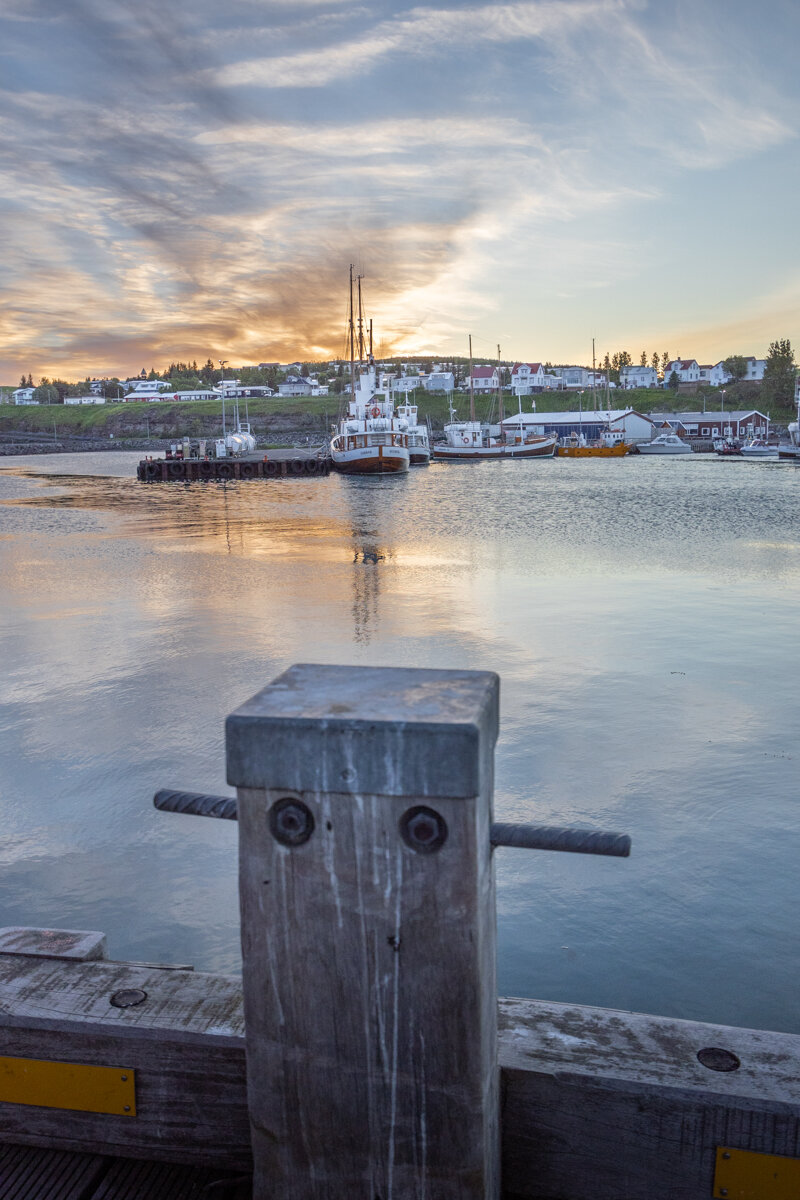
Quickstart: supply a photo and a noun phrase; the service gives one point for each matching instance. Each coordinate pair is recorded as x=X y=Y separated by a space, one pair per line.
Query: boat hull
x=618 y=451
x=543 y=449
x=373 y=460
x=419 y=458
x=645 y=449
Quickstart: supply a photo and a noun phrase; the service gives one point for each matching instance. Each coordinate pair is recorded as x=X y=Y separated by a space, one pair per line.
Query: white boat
x=665 y=443
x=758 y=448
x=471 y=441
x=371 y=439
x=419 y=443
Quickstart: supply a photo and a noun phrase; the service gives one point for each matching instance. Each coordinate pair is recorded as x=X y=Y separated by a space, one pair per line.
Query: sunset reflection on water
x=641 y=615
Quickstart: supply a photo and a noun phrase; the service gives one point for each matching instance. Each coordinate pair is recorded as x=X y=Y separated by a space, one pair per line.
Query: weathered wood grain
x=369 y=968
x=185 y=1043
x=599 y=1104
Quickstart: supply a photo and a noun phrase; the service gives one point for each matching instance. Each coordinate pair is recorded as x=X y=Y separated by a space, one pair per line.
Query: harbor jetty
x=364 y=1051
x=273 y=464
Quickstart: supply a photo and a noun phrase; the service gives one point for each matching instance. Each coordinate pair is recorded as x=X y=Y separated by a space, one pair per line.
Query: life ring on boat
x=466 y=441
x=376 y=412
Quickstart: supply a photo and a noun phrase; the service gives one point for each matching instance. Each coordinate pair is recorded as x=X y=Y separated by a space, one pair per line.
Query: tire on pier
x=311 y=466
x=247 y=470
x=206 y=470
x=175 y=469
x=152 y=470
x=225 y=471
x=270 y=467
x=296 y=466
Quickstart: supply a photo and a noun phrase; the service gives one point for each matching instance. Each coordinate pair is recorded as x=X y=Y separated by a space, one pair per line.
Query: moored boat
x=759 y=448
x=665 y=443
x=610 y=444
x=419 y=443
x=370 y=440
x=471 y=441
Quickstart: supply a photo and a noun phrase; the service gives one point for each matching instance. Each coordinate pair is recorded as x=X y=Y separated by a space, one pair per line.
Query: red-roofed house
x=527 y=378
x=484 y=379
x=687 y=370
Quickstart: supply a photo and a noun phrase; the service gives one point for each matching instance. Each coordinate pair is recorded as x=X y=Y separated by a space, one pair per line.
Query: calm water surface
x=642 y=615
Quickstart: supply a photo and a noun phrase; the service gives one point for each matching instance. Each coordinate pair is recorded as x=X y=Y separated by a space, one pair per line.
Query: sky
x=193 y=179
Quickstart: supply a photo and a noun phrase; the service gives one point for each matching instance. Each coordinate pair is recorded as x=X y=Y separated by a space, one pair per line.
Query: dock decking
x=31 y=1173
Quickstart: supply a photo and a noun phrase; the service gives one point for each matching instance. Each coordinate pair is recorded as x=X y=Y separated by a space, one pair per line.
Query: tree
x=620 y=359
x=673 y=381
x=23 y=382
x=736 y=366
x=778 y=387
x=664 y=361
x=643 y=359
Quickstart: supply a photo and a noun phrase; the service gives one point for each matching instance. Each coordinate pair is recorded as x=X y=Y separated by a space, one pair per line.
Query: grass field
x=174 y=419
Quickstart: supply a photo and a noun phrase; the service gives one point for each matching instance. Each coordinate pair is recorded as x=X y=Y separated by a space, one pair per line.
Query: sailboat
x=371 y=438
x=470 y=441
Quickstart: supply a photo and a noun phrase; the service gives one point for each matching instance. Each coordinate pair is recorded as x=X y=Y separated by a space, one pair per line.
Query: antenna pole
x=500 y=413
x=471 y=388
x=594 y=379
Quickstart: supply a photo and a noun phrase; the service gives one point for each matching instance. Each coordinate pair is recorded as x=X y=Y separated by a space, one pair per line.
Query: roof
x=588 y=416
x=695 y=418
x=535 y=367
x=482 y=372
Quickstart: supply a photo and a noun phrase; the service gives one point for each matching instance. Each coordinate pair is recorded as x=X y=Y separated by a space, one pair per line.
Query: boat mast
x=594 y=379
x=352 y=332
x=360 y=324
x=471 y=388
x=500 y=413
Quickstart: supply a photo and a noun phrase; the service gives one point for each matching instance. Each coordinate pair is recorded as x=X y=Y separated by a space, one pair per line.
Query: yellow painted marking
x=68 y=1085
x=742 y=1175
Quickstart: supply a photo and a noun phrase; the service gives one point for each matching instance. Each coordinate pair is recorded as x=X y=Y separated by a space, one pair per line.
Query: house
x=405 y=383
x=527 y=378
x=687 y=370
x=295 y=385
x=591 y=423
x=145 y=389
x=23 y=395
x=579 y=378
x=92 y=398
x=484 y=379
x=739 y=424
x=755 y=368
x=439 y=381
x=638 y=377
x=552 y=383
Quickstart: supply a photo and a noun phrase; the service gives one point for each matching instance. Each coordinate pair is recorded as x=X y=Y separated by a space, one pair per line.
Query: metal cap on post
x=368 y=932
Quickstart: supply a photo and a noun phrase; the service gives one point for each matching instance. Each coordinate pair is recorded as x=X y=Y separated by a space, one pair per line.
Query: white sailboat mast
x=471 y=388
x=352 y=333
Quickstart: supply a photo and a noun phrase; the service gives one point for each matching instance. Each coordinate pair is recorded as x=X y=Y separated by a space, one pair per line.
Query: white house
x=92 y=398
x=145 y=389
x=485 y=379
x=687 y=370
x=591 y=423
x=527 y=378
x=295 y=385
x=439 y=381
x=638 y=377
x=579 y=378
x=404 y=383
x=23 y=395
x=714 y=374
x=755 y=368
x=552 y=383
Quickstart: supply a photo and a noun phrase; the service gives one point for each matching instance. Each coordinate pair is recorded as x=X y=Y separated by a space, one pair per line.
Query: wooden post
x=368 y=932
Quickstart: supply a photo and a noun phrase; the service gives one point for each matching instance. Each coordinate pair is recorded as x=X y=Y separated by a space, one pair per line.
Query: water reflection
x=642 y=619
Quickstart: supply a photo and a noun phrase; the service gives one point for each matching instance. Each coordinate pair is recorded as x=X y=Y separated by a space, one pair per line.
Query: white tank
x=240 y=443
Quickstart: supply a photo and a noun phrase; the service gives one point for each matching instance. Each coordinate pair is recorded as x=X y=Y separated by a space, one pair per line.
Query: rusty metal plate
x=742 y=1175
x=74 y=1086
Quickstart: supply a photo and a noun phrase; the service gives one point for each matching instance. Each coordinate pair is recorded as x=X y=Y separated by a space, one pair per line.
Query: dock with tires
x=278 y=465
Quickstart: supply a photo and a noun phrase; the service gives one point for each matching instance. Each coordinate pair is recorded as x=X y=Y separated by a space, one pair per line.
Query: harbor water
x=642 y=614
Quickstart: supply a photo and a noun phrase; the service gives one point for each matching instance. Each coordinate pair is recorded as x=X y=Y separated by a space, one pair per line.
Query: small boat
x=728 y=448
x=665 y=443
x=610 y=444
x=371 y=440
x=759 y=448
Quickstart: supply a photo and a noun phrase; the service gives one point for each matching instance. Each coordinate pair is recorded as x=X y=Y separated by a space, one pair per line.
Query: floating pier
x=280 y=465
x=364 y=1052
